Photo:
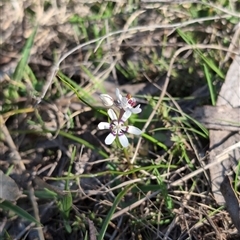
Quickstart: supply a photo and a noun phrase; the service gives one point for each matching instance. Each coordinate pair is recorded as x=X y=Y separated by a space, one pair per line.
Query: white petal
x=137 y=109
x=124 y=103
x=126 y=115
x=119 y=95
x=107 y=100
x=123 y=140
x=112 y=114
x=109 y=139
x=134 y=130
x=104 y=125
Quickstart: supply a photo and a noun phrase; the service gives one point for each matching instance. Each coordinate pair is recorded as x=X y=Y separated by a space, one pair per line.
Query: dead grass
x=133 y=46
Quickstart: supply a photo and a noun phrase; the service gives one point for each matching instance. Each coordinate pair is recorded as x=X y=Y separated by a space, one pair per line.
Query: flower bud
x=107 y=100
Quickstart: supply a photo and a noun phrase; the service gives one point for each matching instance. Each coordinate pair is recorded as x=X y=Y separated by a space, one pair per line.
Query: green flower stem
x=130 y=166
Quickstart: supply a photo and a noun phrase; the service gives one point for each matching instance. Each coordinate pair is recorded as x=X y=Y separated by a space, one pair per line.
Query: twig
x=134 y=205
x=11 y=144
x=36 y=212
x=219 y=158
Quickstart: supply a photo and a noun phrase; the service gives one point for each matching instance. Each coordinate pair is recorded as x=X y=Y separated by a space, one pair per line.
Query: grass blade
x=210 y=84
x=208 y=61
x=18 y=74
x=6 y=205
x=111 y=211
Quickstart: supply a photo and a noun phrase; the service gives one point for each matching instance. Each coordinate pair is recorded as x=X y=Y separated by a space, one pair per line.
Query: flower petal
x=103 y=125
x=112 y=114
x=137 y=109
x=123 y=140
x=134 y=130
x=107 y=100
x=126 y=115
x=119 y=95
x=109 y=139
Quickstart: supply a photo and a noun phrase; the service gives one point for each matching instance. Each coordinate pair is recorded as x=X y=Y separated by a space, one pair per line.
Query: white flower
x=118 y=129
x=107 y=100
x=127 y=103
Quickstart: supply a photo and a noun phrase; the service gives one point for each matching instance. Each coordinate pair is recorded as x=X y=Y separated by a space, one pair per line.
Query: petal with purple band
x=126 y=116
x=134 y=130
x=123 y=140
x=109 y=139
x=104 y=125
x=137 y=109
x=112 y=114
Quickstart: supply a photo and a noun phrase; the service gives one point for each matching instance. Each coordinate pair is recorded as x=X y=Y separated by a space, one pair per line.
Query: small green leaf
x=66 y=204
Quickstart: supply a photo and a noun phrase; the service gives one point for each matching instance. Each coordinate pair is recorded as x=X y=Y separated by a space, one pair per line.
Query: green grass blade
x=210 y=84
x=6 y=205
x=83 y=142
x=80 y=91
x=67 y=135
x=67 y=187
x=212 y=65
x=70 y=85
x=65 y=206
x=18 y=74
x=86 y=236
x=111 y=211
x=186 y=122
x=208 y=61
x=45 y=194
x=97 y=83
x=185 y=37
x=114 y=172
x=154 y=141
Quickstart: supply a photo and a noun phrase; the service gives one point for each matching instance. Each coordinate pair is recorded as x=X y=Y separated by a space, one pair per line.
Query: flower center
x=117 y=127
